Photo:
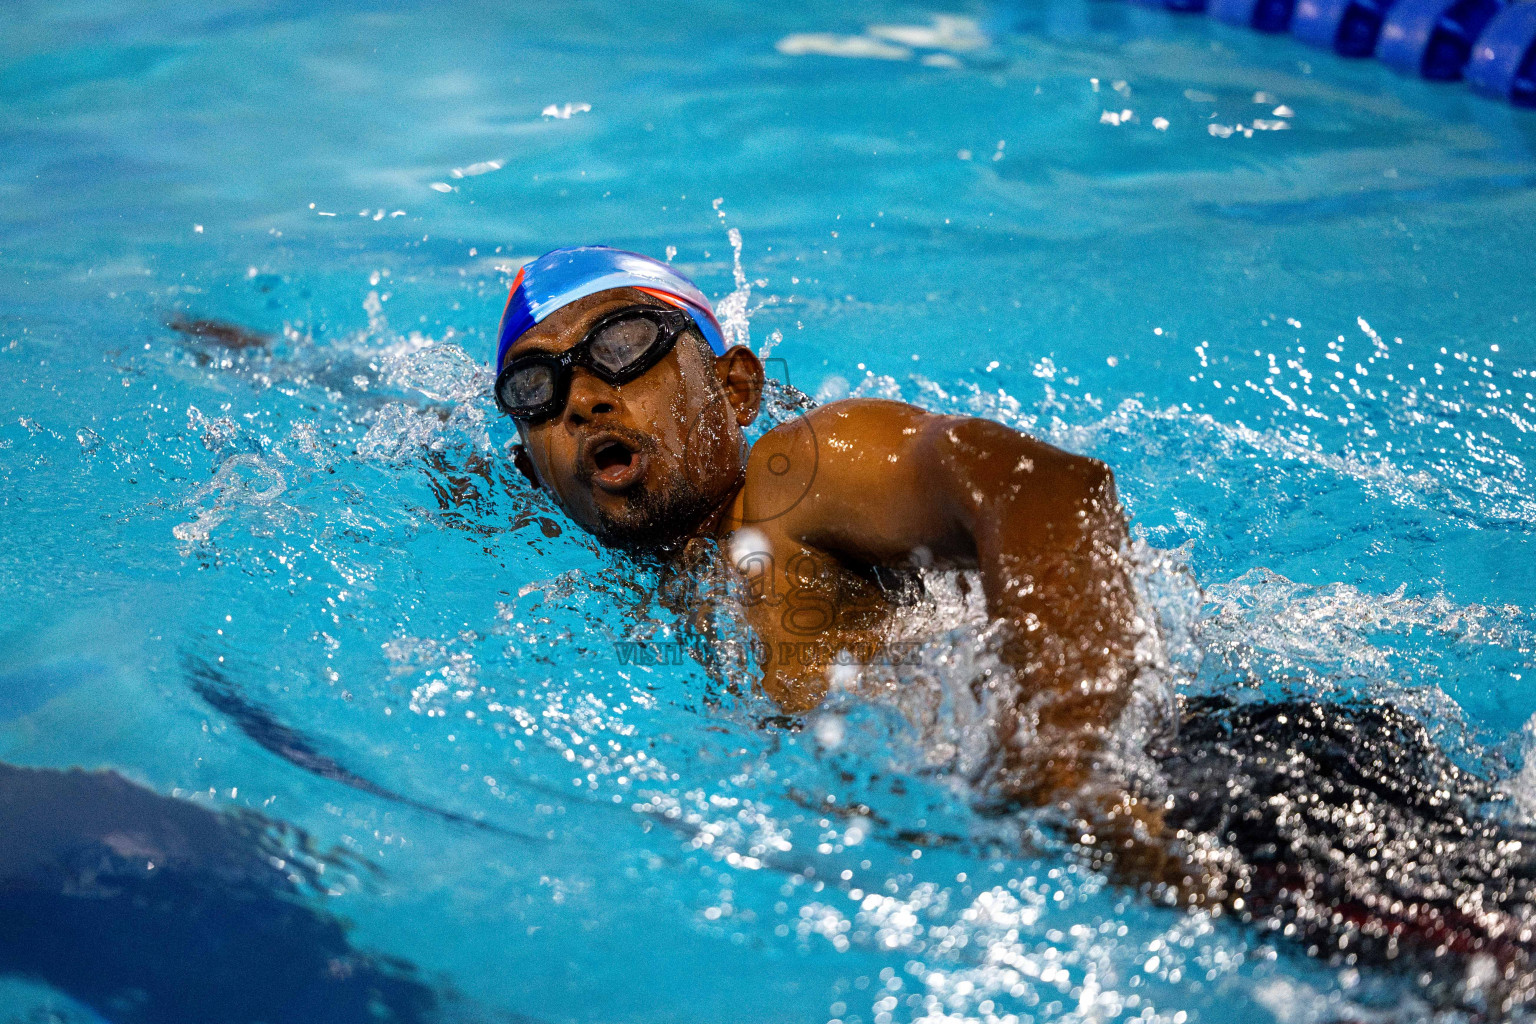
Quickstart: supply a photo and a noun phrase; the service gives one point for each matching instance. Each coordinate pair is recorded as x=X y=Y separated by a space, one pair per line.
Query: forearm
x=1067 y=636
x=1069 y=610
x=1049 y=539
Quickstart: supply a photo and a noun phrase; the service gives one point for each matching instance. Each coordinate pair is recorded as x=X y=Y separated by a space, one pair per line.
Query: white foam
x=483 y=167
x=828 y=44
x=944 y=32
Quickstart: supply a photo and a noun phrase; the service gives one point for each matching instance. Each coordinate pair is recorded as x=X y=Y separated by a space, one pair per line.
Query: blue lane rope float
x=1183 y=6
x=1348 y=27
x=1264 y=15
x=1503 y=62
x=1492 y=43
x=1434 y=38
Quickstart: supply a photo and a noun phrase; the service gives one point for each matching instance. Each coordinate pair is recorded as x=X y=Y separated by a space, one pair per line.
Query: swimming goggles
x=621 y=346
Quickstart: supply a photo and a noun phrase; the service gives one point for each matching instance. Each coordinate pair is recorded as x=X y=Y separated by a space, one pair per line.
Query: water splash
x=242 y=480
x=733 y=311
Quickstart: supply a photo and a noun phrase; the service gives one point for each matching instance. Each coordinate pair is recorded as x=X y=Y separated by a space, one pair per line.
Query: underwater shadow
x=151 y=909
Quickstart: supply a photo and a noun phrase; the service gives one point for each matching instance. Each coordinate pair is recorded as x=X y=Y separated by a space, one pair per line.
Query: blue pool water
x=1290 y=299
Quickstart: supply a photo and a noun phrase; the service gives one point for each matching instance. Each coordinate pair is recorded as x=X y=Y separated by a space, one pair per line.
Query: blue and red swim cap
x=561 y=277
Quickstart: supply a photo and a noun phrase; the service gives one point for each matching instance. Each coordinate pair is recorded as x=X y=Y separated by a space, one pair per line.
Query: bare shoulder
x=850 y=426
x=861 y=430
x=876 y=479
x=813 y=464
x=990 y=448
x=839 y=434
x=880 y=443
x=863 y=414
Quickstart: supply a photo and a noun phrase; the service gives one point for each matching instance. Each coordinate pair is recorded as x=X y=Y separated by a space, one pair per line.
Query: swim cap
x=561 y=277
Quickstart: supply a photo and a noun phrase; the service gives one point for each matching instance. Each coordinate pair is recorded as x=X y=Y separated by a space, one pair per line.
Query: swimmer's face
x=642 y=464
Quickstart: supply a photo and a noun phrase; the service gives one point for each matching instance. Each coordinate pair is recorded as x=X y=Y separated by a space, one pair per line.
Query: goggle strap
x=667 y=297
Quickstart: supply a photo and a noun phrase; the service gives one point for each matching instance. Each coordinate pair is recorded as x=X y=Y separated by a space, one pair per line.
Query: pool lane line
x=1491 y=44
x=216 y=689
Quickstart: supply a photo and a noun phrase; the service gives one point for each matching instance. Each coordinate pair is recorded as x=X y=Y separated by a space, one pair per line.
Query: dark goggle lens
x=622 y=344
x=528 y=388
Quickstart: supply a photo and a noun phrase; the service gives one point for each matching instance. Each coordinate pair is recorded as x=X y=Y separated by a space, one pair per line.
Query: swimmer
x=1342 y=826
x=630 y=409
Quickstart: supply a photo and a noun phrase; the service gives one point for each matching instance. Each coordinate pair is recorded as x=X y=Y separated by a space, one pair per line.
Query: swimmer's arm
x=1043 y=527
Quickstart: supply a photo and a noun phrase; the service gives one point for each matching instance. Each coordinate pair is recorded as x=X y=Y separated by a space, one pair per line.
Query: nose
x=589 y=399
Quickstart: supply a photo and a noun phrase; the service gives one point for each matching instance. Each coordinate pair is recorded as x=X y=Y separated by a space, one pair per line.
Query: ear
x=741 y=376
x=524 y=463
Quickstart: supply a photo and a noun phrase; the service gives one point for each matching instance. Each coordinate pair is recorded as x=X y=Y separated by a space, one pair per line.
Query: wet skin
x=819 y=506
x=818 y=515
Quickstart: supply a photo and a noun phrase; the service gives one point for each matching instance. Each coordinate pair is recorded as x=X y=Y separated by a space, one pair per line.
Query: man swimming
x=630 y=410
x=1342 y=826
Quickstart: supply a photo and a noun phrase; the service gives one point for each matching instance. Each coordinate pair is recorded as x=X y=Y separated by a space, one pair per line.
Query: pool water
x=1290 y=299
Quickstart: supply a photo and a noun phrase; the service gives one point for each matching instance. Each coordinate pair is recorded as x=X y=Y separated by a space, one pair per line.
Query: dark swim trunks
x=1357 y=836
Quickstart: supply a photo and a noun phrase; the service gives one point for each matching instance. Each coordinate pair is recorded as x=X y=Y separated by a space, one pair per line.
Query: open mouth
x=616 y=464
